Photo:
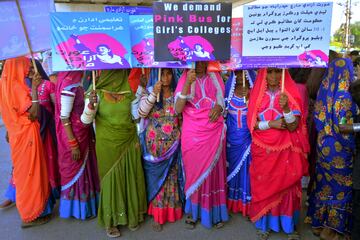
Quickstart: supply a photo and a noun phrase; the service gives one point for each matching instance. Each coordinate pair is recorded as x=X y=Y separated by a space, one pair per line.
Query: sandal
x=37 y=222
x=113 y=232
x=157 y=227
x=219 y=225
x=294 y=236
x=7 y=204
x=263 y=235
x=190 y=223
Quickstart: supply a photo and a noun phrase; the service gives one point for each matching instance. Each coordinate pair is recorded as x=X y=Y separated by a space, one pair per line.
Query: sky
x=338 y=16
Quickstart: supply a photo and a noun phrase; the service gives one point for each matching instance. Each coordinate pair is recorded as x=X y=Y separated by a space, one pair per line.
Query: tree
x=354 y=30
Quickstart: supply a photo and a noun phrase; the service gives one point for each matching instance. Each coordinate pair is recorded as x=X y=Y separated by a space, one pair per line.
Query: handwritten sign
x=36 y=16
x=192 y=31
x=235 y=49
x=142 y=44
x=131 y=10
x=90 y=41
x=287 y=35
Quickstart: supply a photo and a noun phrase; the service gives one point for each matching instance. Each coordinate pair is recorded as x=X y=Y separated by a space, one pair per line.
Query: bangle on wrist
x=35 y=101
x=182 y=96
x=289 y=117
x=264 y=125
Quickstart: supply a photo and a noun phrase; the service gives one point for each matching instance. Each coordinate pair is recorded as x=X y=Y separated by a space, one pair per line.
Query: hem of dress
x=164 y=215
x=208 y=217
x=79 y=209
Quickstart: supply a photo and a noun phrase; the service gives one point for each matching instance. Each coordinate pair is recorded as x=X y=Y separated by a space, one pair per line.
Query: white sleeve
x=66 y=104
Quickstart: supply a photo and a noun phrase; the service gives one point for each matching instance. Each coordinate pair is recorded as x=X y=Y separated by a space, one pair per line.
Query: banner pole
x=159 y=79
x=283 y=80
x=243 y=82
x=26 y=35
x=94 y=82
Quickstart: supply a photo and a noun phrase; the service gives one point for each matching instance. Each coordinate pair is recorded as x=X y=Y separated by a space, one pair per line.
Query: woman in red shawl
x=279 y=150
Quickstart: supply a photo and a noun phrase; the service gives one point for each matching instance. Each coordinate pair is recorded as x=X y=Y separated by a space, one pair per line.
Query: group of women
x=171 y=146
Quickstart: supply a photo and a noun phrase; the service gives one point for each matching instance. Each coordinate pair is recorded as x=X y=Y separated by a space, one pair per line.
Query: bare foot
x=157 y=227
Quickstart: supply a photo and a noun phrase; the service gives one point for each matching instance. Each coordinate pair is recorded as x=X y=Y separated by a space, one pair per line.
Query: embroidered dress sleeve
x=219 y=92
x=147 y=102
x=135 y=103
x=88 y=115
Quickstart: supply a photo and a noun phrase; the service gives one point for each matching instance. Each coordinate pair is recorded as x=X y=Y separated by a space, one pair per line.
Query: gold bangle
x=67 y=124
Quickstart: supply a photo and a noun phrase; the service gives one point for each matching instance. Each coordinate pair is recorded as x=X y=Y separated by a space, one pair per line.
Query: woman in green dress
x=123 y=195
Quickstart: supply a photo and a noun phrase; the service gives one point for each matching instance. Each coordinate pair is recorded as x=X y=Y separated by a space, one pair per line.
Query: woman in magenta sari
x=279 y=146
x=199 y=97
x=76 y=146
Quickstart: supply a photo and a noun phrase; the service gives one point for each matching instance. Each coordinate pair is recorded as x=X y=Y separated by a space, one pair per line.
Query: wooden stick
x=26 y=35
x=243 y=82
x=159 y=79
x=283 y=80
x=142 y=71
x=94 y=82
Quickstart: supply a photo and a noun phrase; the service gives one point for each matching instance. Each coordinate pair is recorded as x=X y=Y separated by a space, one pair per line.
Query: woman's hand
x=93 y=99
x=75 y=153
x=157 y=87
x=191 y=77
x=284 y=102
x=33 y=112
x=143 y=81
x=278 y=124
x=215 y=113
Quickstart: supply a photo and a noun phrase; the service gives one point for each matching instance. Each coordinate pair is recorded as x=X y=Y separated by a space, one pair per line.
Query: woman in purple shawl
x=76 y=147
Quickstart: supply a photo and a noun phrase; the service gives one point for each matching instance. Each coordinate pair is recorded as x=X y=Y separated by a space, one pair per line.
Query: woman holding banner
x=279 y=148
x=329 y=210
x=161 y=149
x=46 y=98
x=76 y=147
x=20 y=111
x=123 y=194
x=238 y=140
x=199 y=97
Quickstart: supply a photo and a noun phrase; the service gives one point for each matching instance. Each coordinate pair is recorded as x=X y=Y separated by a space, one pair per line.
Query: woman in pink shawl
x=199 y=97
x=76 y=147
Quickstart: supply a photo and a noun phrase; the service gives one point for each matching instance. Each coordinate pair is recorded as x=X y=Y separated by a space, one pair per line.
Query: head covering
x=115 y=81
x=334 y=100
x=66 y=79
x=14 y=93
x=41 y=70
x=250 y=75
x=154 y=78
x=291 y=90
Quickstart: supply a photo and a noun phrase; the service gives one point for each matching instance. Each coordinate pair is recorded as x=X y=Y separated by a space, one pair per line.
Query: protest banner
x=142 y=44
x=36 y=20
x=235 y=49
x=90 y=41
x=131 y=10
x=286 y=35
x=192 y=31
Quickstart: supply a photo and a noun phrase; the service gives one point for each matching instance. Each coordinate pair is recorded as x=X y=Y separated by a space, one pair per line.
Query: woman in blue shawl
x=329 y=212
x=160 y=142
x=238 y=140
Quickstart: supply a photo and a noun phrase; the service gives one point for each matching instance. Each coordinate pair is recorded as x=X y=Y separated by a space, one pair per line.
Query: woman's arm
x=181 y=100
x=90 y=109
x=35 y=106
x=66 y=105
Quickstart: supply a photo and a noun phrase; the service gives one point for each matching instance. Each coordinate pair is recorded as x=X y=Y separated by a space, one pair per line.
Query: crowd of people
x=176 y=142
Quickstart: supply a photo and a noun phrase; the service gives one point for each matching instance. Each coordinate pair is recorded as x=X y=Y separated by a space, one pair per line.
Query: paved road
x=68 y=229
